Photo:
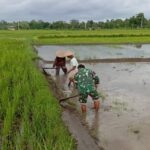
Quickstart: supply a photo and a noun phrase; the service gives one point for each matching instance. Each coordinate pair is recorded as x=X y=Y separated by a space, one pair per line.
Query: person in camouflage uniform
x=86 y=82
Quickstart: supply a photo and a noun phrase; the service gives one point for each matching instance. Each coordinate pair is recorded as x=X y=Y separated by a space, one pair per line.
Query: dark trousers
x=64 y=69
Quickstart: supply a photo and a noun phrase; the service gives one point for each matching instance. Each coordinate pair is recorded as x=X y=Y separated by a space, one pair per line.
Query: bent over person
x=60 y=62
x=86 y=81
x=74 y=67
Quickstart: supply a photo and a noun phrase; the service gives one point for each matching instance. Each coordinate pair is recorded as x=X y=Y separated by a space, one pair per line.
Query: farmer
x=60 y=62
x=74 y=66
x=85 y=80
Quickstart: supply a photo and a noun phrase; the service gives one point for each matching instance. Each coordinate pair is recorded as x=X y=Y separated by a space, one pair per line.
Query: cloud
x=53 y=10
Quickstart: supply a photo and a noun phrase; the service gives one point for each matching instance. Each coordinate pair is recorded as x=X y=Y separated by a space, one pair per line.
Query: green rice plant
x=30 y=115
x=103 y=36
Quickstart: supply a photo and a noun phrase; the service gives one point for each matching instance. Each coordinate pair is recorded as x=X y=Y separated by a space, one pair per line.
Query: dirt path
x=79 y=131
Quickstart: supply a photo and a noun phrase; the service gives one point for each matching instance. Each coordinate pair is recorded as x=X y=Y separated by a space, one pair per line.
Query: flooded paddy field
x=90 y=52
x=122 y=122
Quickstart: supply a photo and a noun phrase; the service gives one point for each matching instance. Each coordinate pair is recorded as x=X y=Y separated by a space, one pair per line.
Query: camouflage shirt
x=85 y=80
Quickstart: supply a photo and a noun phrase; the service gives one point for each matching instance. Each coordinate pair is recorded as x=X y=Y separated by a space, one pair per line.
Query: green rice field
x=30 y=116
x=81 y=36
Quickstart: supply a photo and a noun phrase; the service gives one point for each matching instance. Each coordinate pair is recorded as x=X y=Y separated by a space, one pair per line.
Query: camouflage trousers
x=83 y=96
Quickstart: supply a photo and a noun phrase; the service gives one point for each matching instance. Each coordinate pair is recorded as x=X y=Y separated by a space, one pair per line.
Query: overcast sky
x=65 y=10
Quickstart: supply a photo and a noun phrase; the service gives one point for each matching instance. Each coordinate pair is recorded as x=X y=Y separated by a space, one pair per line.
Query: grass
x=30 y=116
x=114 y=36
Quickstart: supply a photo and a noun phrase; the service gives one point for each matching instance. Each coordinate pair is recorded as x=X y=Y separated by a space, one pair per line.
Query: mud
x=79 y=131
x=123 y=118
x=107 y=60
x=72 y=118
x=123 y=122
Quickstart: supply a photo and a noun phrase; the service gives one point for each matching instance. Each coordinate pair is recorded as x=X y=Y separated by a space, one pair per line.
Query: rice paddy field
x=30 y=116
x=81 y=36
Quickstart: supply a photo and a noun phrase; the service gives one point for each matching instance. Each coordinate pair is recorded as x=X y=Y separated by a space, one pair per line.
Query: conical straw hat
x=69 y=53
x=60 y=53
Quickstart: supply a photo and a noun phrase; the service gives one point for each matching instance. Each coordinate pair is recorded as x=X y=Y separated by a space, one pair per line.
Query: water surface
x=84 y=52
x=122 y=122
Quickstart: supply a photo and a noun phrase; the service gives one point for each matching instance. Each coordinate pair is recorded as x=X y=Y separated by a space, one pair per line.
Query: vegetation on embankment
x=30 y=116
x=111 y=36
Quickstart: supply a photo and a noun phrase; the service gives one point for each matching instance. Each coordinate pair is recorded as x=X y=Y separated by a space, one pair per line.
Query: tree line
x=137 y=21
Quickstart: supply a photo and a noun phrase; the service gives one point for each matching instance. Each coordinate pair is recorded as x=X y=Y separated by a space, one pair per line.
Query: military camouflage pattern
x=85 y=83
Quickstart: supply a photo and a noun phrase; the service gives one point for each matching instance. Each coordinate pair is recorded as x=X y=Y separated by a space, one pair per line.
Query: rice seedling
x=30 y=117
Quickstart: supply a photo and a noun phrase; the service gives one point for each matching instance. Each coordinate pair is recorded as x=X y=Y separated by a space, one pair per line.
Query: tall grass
x=30 y=117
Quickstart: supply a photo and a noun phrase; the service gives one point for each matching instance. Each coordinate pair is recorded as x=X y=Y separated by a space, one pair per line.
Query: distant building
x=12 y=28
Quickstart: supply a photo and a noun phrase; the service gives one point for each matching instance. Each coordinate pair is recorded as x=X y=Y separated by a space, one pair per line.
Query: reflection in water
x=62 y=81
x=95 y=124
x=126 y=105
x=92 y=121
x=123 y=120
x=138 y=45
x=87 y=52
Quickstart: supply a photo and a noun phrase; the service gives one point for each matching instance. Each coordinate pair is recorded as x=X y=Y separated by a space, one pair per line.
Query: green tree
x=140 y=19
x=137 y=21
x=3 y=24
x=89 y=24
x=74 y=24
x=24 y=25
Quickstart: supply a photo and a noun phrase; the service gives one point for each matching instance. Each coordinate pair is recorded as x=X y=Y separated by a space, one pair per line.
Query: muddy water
x=123 y=121
x=84 y=52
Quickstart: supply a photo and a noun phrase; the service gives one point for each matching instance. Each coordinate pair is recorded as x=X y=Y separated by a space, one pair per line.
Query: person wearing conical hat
x=74 y=66
x=60 y=62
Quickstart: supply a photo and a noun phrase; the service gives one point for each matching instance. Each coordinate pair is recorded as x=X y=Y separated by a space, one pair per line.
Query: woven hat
x=69 y=53
x=60 y=53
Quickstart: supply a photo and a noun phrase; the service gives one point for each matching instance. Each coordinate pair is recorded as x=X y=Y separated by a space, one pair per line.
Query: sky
x=66 y=10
